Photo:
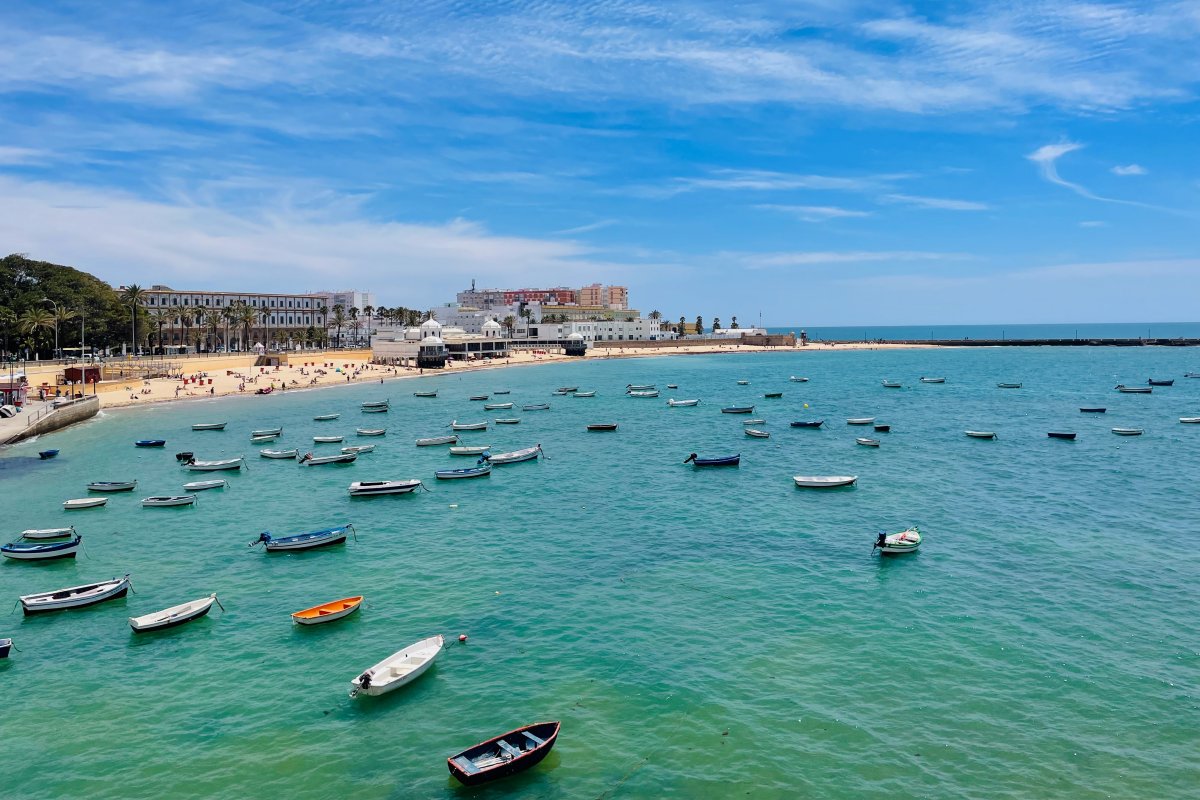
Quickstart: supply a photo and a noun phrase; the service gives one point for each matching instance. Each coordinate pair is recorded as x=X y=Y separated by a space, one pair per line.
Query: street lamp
x=48 y=300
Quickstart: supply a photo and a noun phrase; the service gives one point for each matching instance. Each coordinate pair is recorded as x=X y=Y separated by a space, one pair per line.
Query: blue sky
x=820 y=163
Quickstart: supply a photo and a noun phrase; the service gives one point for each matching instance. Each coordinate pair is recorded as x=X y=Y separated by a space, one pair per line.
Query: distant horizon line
x=808 y=325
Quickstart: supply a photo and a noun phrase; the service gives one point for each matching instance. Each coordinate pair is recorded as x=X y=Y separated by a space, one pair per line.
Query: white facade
x=348 y=299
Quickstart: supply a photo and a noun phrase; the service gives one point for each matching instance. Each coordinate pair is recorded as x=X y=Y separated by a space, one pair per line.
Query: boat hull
x=42 y=552
x=372 y=489
x=328 y=612
x=47 y=602
x=162 y=620
x=467 y=773
x=824 y=482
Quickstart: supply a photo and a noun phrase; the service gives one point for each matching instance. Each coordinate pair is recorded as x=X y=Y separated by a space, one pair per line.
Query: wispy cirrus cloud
x=814 y=213
x=1128 y=169
x=816 y=258
x=1046 y=158
x=942 y=203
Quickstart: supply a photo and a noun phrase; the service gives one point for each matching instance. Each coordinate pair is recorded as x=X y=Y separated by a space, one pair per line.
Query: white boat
x=536 y=407
x=681 y=403
x=164 y=501
x=585 y=394
x=468 y=426
x=896 y=543
x=341 y=458
x=933 y=380
x=325 y=417
x=42 y=551
x=214 y=466
x=497 y=406
x=175 y=615
x=470 y=450
x=48 y=533
x=112 y=486
x=370 y=488
x=867 y=442
x=328 y=612
x=75 y=596
x=981 y=434
x=1189 y=420
x=200 y=486
x=797 y=379
x=757 y=434
x=376 y=410
x=327 y=439
x=266 y=432
x=516 y=456
x=304 y=541
x=824 y=481
x=401 y=667
x=84 y=502
x=435 y=440
x=755 y=421
x=1008 y=386
x=640 y=387
x=293 y=453
x=264 y=439
x=376 y=404
x=861 y=421
x=371 y=431
x=481 y=470
x=432 y=393
x=209 y=426
x=507 y=421
x=359 y=448
x=1128 y=431
x=892 y=384
x=743 y=383
x=642 y=392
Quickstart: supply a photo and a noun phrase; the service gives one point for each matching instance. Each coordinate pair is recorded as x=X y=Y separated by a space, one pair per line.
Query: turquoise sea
x=1065 y=330
x=699 y=633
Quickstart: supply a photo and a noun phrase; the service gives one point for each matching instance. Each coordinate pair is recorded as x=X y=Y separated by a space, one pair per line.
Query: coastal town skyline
x=864 y=163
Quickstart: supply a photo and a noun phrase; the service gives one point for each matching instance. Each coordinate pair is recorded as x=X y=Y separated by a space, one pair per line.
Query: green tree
x=716 y=324
x=133 y=296
x=700 y=325
x=339 y=321
x=158 y=318
x=682 y=325
x=33 y=322
x=354 y=324
x=734 y=324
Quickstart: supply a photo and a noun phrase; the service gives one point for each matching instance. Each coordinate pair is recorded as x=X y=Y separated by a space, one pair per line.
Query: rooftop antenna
x=472 y=284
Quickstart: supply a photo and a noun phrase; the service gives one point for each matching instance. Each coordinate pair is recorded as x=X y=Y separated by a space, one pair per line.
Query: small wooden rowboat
x=516 y=456
x=536 y=407
x=1092 y=410
x=642 y=392
x=303 y=541
x=214 y=466
x=1128 y=431
x=26 y=551
x=292 y=453
x=867 y=442
x=1156 y=382
x=468 y=426
x=479 y=471
x=892 y=384
x=602 y=426
x=757 y=434
x=682 y=403
x=266 y=432
x=112 y=486
x=1061 y=435
x=309 y=460
x=270 y=437
x=175 y=615
x=327 y=439
x=502 y=391
x=1189 y=420
x=640 y=387
x=882 y=428
x=743 y=383
x=164 y=501
x=981 y=434
x=84 y=502
x=75 y=596
x=470 y=450
x=201 y=486
x=48 y=533
x=1120 y=387
x=933 y=380
x=209 y=426
x=435 y=440
x=46 y=455
x=738 y=410
x=376 y=410
x=814 y=423
x=359 y=448
x=479 y=397
x=370 y=431
x=896 y=543
x=328 y=612
x=426 y=394
x=672 y=385
x=150 y=443
x=402 y=667
x=325 y=417
x=507 y=421
x=497 y=406
x=754 y=421
x=372 y=488
x=717 y=461
x=861 y=421
x=585 y=394
x=773 y=395
x=376 y=404
x=824 y=481
x=505 y=755
x=1008 y=386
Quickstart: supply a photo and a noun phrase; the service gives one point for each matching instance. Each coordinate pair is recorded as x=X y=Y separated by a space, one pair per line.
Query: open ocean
x=699 y=633
x=1088 y=330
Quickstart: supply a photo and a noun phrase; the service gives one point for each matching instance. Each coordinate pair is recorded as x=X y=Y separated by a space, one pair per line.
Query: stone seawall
x=61 y=417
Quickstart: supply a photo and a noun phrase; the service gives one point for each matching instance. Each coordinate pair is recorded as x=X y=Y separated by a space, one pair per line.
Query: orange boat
x=328 y=612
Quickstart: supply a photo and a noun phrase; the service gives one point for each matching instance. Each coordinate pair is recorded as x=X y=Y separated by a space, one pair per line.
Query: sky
x=813 y=163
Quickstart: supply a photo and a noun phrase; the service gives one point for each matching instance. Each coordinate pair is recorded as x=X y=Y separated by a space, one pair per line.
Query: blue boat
x=720 y=461
x=303 y=541
x=150 y=443
x=48 y=454
x=33 y=551
x=816 y=423
x=478 y=471
x=5 y=646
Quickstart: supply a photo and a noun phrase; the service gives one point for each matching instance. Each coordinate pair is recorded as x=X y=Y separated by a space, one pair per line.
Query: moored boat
x=479 y=397
x=436 y=440
x=359 y=448
x=568 y=389
x=754 y=421
x=824 y=481
x=166 y=501
x=470 y=450
x=370 y=431
x=270 y=437
x=502 y=391
x=892 y=384
x=602 y=426
x=497 y=406
x=1123 y=389
x=639 y=387
x=468 y=426
x=882 y=428
x=737 y=410
x=402 y=667
x=27 y=551
x=757 y=434
x=426 y=394
x=1189 y=420
x=798 y=379
x=303 y=541
x=327 y=439
x=865 y=442
x=516 y=456
x=328 y=612
x=743 y=383
x=981 y=434
x=84 y=502
x=175 y=615
x=682 y=403
x=536 y=407
x=48 y=533
x=504 y=755
x=214 y=466
x=209 y=426
x=773 y=395
x=75 y=596
x=202 y=486
x=1128 y=431
x=308 y=460
x=892 y=544
x=672 y=385
x=585 y=394
x=642 y=392
x=478 y=471
x=714 y=461
x=1008 y=386
x=372 y=488
x=861 y=421
x=265 y=432
x=1061 y=435
x=376 y=409
x=507 y=421
x=292 y=453
x=933 y=380
x=46 y=455
x=1092 y=410
x=5 y=646
x=150 y=443
x=325 y=417
x=807 y=423
x=1161 y=382
x=112 y=486
x=376 y=404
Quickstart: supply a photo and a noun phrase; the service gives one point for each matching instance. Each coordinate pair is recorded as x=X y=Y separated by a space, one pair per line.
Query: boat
x=1092 y=410
x=893 y=544
x=642 y=392
x=672 y=385
x=479 y=397
x=468 y=426
x=882 y=428
x=214 y=466
x=307 y=460
x=743 y=383
x=359 y=448
x=84 y=502
x=933 y=380
x=426 y=394
x=166 y=501
x=46 y=455
x=470 y=450
x=682 y=403
x=892 y=384
x=640 y=387
x=1061 y=435
x=502 y=391
x=477 y=471
x=861 y=421
x=433 y=440
x=293 y=453
x=586 y=394
x=737 y=410
x=377 y=404
x=209 y=426
x=824 y=481
x=371 y=488
x=602 y=426
x=265 y=390
x=265 y=432
x=403 y=666
x=507 y=421
x=865 y=442
x=325 y=417
x=981 y=434
x=201 y=486
x=773 y=395
x=370 y=431
x=21 y=551
x=516 y=456
x=568 y=389
x=559 y=393
x=536 y=407
x=303 y=541
x=1008 y=386
x=1157 y=382
x=807 y=423
x=75 y=596
x=717 y=461
x=757 y=434
x=375 y=410
x=505 y=755
x=1189 y=420
x=112 y=486
x=263 y=439
x=48 y=533
x=184 y=456
x=755 y=421
x=328 y=612
x=1128 y=431
x=5 y=646
x=497 y=406
x=797 y=379
x=327 y=439
x=1120 y=387
x=150 y=443
x=175 y=615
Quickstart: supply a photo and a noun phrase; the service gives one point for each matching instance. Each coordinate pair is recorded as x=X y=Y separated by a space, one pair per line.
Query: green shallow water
x=700 y=633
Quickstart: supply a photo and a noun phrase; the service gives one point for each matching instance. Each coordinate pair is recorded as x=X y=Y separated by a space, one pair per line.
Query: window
x=174 y=301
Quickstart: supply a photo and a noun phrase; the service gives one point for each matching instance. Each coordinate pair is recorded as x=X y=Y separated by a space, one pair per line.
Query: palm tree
x=8 y=321
x=160 y=317
x=33 y=322
x=354 y=323
x=264 y=314
x=682 y=322
x=716 y=323
x=227 y=314
x=245 y=317
x=700 y=325
x=656 y=316
x=369 y=313
x=214 y=327
x=338 y=321
x=510 y=325
x=733 y=325
x=132 y=296
x=186 y=318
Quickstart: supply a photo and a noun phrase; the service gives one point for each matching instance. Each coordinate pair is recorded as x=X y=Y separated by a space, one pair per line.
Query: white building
x=348 y=299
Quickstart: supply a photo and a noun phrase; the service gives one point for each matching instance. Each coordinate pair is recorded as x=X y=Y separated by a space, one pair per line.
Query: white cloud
x=811 y=258
x=943 y=203
x=814 y=213
x=17 y=156
x=1128 y=169
x=1046 y=157
x=1093 y=223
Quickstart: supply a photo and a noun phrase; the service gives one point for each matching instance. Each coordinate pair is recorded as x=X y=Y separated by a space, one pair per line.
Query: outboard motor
x=184 y=456
x=881 y=541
